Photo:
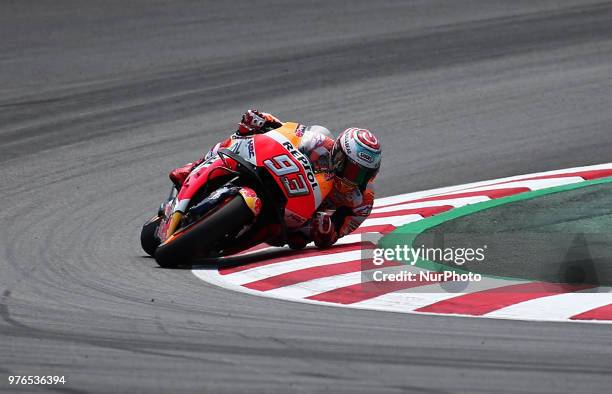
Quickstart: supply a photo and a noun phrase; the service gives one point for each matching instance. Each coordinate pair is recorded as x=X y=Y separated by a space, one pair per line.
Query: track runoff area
x=422 y=253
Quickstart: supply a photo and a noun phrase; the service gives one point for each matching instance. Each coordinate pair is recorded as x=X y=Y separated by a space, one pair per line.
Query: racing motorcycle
x=254 y=191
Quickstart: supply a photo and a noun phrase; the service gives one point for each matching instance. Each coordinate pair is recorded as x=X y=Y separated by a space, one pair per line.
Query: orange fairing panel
x=326 y=183
x=291 y=131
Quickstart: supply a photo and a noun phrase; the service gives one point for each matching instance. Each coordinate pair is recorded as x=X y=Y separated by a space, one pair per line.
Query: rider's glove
x=254 y=122
x=322 y=230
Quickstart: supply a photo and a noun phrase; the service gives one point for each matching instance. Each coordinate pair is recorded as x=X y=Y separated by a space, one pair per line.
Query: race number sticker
x=289 y=174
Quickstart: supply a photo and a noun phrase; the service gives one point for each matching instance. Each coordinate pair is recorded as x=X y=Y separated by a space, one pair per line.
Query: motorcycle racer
x=353 y=160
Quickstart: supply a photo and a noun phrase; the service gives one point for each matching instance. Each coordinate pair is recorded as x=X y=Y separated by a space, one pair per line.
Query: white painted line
x=535 y=184
x=454 y=202
x=394 y=220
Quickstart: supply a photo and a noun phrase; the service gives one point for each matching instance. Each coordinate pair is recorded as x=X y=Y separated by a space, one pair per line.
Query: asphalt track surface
x=98 y=101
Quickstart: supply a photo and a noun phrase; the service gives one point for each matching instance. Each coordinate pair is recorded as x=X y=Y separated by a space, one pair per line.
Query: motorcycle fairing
x=208 y=170
x=305 y=190
x=277 y=151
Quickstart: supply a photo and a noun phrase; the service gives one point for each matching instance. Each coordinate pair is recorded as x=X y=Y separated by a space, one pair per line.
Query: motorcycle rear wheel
x=196 y=239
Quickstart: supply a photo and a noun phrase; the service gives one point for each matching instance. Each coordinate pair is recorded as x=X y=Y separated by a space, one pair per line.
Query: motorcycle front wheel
x=148 y=237
x=196 y=239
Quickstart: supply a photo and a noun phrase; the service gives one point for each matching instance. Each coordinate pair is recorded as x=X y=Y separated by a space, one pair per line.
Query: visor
x=357 y=174
x=351 y=172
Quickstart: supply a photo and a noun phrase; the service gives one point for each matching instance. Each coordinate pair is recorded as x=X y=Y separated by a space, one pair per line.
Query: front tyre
x=196 y=239
x=148 y=237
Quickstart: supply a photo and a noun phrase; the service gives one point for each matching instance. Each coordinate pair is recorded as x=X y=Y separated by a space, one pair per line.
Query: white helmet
x=356 y=157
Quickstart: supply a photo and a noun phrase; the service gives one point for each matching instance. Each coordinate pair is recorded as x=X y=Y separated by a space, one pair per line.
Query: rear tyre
x=196 y=240
x=148 y=239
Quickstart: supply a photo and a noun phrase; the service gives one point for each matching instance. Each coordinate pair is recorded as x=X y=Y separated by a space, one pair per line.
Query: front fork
x=165 y=211
x=162 y=207
x=252 y=201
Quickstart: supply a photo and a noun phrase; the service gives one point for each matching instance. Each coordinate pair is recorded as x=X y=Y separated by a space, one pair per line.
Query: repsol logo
x=305 y=163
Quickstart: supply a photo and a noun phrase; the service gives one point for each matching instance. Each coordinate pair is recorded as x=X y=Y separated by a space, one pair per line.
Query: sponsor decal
x=305 y=163
x=251 y=148
x=235 y=147
x=365 y=157
x=251 y=200
x=347 y=146
x=300 y=130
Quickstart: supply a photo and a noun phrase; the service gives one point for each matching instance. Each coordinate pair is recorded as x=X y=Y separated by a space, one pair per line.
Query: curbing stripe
x=307 y=274
x=363 y=291
x=308 y=253
x=423 y=212
x=601 y=313
x=381 y=228
x=492 y=193
x=339 y=283
x=259 y=273
x=486 y=301
x=560 y=307
x=454 y=202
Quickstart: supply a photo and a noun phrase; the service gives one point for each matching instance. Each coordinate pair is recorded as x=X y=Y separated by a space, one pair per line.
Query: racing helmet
x=356 y=157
